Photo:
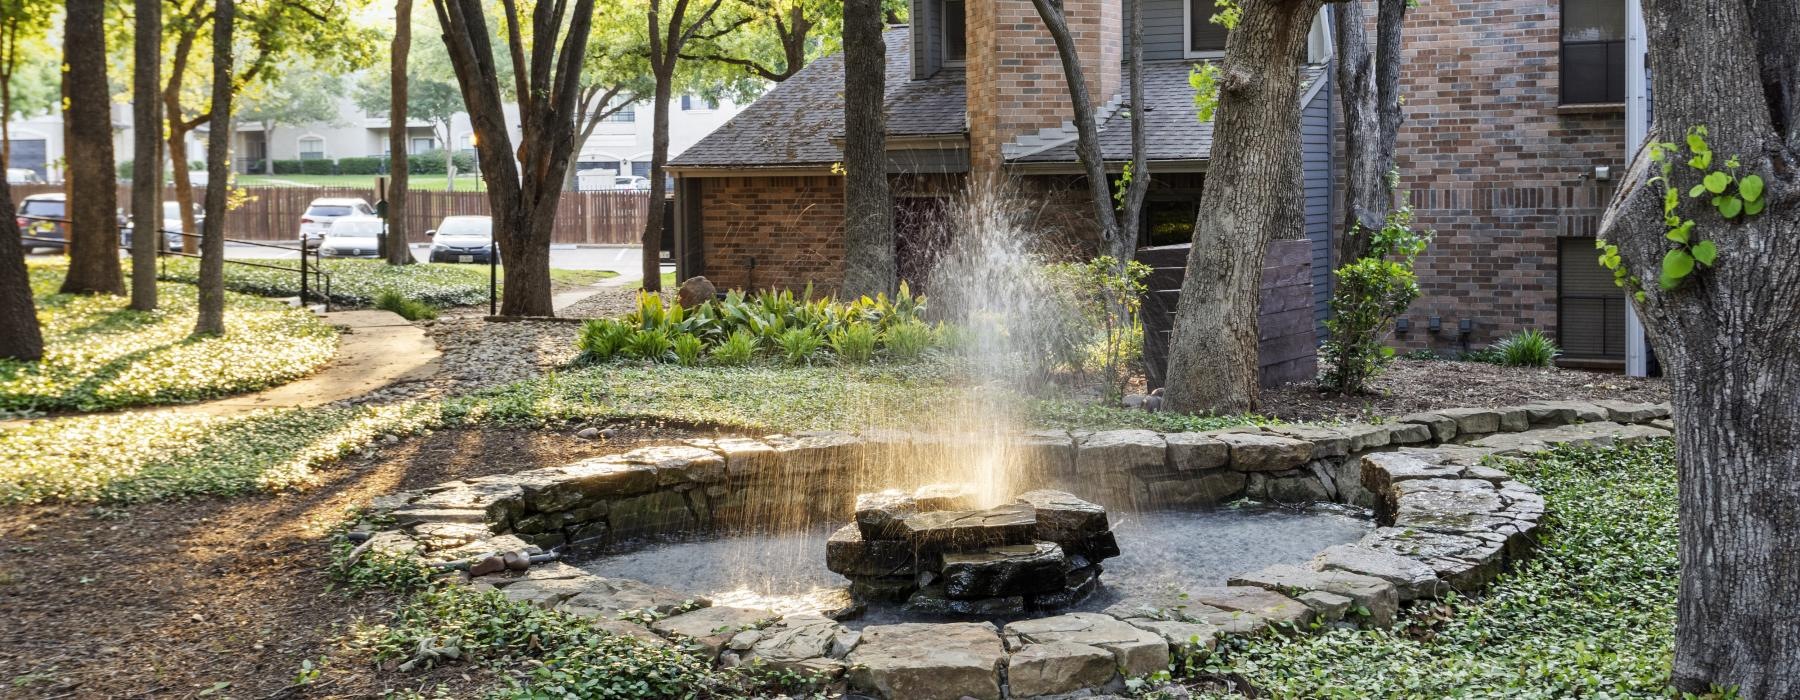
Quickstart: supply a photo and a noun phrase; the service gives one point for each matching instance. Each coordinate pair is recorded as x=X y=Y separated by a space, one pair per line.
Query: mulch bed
x=1409 y=386
x=172 y=599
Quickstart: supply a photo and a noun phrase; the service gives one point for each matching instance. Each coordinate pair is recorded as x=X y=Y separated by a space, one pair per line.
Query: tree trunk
x=20 y=338
x=218 y=180
x=1087 y=141
x=269 y=149
x=1253 y=180
x=179 y=128
x=1369 y=90
x=93 y=231
x=399 y=253
x=146 y=173
x=869 y=264
x=1725 y=335
x=651 y=243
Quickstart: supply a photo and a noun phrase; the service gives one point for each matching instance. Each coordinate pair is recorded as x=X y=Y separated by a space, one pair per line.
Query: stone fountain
x=939 y=553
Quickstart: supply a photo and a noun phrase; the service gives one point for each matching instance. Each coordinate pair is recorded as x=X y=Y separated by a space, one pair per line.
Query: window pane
x=1593 y=20
x=956 y=46
x=1203 y=34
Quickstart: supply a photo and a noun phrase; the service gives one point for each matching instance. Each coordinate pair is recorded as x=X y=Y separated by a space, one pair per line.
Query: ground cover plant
x=1592 y=614
x=101 y=355
x=353 y=282
x=778 y=325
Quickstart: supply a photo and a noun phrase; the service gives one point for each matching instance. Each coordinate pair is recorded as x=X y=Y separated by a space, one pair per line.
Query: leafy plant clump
x=409 y=309
x=101 y=355
x=354 y=283
x=1105 y=335
x=1370 y=293
x=1526 y=349
x=733 y=331
x=1590 y=615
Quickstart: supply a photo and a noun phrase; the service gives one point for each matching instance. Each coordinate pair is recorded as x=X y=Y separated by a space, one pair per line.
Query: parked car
x=23 y=176
x=352 y=237
x=322 y=212
x=631 y=182
x=49 y=206
x=463 y=239
x=171 y=225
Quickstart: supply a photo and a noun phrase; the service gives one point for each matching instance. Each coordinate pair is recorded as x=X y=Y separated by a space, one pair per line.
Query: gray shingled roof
x=1172 y=132
x=797 y=122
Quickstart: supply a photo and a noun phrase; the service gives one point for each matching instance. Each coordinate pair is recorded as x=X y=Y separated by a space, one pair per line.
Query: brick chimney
x=1015 y=80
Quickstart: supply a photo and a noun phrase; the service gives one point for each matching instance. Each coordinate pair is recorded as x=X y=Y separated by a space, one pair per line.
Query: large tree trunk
x=1726 y=335
x=20 y=338
x=1252 y=183
x=146 y=173
x=1369 y=90
x=869 y=264
x=93 y=230
x=179 y=128
x=218 y=181
x=651 y=241
x=398 y=251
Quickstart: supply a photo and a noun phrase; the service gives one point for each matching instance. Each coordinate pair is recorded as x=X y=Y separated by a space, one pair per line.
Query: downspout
x=1637 y=124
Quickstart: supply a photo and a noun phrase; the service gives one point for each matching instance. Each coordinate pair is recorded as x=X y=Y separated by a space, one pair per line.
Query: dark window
x=1593 y=51
x=687 y=102
x=956 y=47
x=1590 y=309
x=1204 y=35
x=624 y=116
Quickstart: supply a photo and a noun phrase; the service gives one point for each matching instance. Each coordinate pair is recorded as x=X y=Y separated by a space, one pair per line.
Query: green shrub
x=432 y=163
x=289 y=167
x=855 y=343
x=736 y=350
x=1370 y=293
x=906 y=341
x=1526 y=349
x=409 y=309
x=687 y=349
x=319 y=166
x=600 y=339
x=353 y=282
x=1103 y=335
x=361 y=166
x=652 y=345
x=799 y=344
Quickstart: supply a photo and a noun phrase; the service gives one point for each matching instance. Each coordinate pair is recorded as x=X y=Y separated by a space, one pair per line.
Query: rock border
x=1444 y=523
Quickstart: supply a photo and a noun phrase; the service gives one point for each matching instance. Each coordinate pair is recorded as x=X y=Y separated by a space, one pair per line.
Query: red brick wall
x=1014 y=79
x=1493 y=165
x=793 y=228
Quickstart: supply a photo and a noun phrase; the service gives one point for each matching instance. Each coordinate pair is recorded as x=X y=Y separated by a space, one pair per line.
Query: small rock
x=516 y=561
x=490 y=565
x=1153 y=404
x=1135 y=400
x=588 y=433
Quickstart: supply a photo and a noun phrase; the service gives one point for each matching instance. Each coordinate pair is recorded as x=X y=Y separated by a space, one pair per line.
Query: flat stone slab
x=710 y=628
x=848 y=553
x=1186 y=637
x=1120 y=450
x=1261 y=452
x=801 y=643
x=1057 y=668
x=878 y=514
x=959 y=529
x=1376 y=596
x=1136 y=652
x=1007 y=570
x=1411 y=579
x=1196 y=451
x=1464 y=562
x=610 y=596
x=921 y=661
x=1079 y=526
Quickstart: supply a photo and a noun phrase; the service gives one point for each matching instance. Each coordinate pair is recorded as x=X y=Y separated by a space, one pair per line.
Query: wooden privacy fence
x=273 y=213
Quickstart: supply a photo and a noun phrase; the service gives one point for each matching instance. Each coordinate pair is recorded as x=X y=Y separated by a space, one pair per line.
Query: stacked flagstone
x=935 y=550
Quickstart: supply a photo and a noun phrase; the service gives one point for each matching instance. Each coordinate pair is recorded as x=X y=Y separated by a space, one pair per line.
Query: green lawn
x=580 y=277
x=101 y=355
x=464 y=183
x=1592 y=615
x=356 y=283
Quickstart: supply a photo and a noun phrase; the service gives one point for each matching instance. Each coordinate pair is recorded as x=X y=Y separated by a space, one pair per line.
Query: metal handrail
x=317 y=270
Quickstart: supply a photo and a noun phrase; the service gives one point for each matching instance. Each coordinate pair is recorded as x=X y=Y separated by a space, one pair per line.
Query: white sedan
x=463 y=239
x=353 y=237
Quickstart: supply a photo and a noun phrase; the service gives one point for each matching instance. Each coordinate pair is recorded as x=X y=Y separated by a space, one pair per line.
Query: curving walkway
x=375 y=349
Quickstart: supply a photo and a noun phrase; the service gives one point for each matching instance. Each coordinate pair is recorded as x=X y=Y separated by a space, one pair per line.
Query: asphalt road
x=625 y=260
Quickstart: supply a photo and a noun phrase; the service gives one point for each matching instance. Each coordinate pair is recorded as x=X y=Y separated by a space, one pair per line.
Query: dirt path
x=375 y=349
x=168 y=600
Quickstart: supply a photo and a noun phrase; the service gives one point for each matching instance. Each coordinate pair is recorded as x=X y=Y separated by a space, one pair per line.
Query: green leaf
x=1670 y=201
x=1701 y=160
x=1705 y=252
x=1697 y=191
x=1716 y=182
x=1676 y=265
x=1679 y=234
x=1730 y=206
x=1754 y=207
x=1751 y=187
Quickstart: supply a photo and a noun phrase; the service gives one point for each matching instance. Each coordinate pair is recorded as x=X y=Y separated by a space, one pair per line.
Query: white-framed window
x=955 y=39
x=422 y=144
x=1200 y=36
x=312 y=148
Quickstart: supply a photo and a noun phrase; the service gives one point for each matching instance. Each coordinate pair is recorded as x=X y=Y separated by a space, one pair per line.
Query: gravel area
x=1409 y=386
x=609 y=301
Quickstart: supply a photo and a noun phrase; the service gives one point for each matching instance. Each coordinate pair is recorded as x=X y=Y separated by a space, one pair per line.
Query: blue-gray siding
x=927 y=56
x=1163 y=30
x=1315 y=139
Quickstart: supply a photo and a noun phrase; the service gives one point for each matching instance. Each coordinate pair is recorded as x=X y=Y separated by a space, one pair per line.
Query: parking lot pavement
x=624 y=260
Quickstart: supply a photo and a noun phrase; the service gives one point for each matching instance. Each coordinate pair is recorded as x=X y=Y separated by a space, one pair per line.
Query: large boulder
x=695 y=291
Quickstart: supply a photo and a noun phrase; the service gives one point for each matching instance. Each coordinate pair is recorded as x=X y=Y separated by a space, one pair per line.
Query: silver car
x=353 y=237
x=323 y=211
x=463 y=239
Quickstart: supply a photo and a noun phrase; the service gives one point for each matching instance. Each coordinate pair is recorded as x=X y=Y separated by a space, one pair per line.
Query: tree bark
x=146 y=156
x=218 y=181
x=667 y=37
x=20 y=338
x=1726 y=335
x=1252 y=182
x=1369 y=90
x=179 y=127
x=522 y=193
x=399 y=253
x=870 y=267
x=93 y=231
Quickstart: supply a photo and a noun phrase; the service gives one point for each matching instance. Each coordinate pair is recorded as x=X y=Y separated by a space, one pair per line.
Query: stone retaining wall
x=1445 y=523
